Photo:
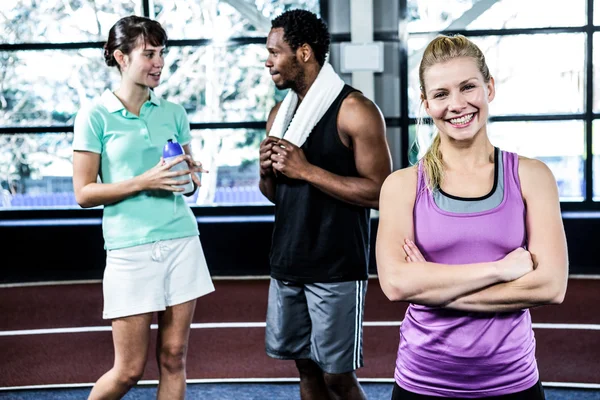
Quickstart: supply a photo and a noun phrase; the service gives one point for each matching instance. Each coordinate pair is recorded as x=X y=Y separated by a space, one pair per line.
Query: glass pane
x=231 y=157
x=559 y=144
x=36 y=171
x=596 y=80
x=31 y=21
x=213 y=83
x=219 y=83
x=48 y=87
x=596 y=160
x=596 y=12
x=529 y=78
x=220 y=19
x=419 y=139
x=430 y=16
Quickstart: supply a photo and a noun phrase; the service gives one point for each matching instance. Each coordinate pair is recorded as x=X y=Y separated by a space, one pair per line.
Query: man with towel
x=322 y=165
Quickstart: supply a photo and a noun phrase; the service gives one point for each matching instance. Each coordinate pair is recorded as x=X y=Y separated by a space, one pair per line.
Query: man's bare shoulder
x=358 y=102
x=272 y=115
x=359 y=115
x=275 y=108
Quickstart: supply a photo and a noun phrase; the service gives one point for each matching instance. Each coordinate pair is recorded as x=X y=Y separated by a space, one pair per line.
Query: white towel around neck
x=319 y=97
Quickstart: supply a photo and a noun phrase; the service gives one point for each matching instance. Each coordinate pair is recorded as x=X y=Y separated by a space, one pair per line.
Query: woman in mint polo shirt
x=154 y=258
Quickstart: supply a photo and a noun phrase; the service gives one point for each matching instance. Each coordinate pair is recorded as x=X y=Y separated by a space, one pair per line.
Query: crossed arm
x=505 y=285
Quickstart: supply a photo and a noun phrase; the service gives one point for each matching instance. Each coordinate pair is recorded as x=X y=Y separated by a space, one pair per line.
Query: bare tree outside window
x=219 y=82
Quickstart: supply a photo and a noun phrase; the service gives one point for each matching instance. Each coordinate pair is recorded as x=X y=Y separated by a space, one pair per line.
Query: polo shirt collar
x=154 y=98
x=113 y=104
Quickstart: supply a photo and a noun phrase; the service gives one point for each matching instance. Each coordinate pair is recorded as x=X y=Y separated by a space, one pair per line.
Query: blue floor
x=235 y=391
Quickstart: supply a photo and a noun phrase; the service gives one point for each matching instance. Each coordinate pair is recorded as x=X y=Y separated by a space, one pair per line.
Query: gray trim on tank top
x=460 y=205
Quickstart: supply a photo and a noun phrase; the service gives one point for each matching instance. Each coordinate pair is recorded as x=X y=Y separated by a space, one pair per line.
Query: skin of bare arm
x=361 y=121
x=90 y=193
x=267 y=175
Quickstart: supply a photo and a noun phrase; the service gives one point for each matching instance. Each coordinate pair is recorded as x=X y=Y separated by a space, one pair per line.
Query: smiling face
x=457 y=98
x=282 y=62
x=143 y=65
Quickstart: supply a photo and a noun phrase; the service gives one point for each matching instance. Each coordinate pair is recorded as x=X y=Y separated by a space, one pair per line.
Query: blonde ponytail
x=433 y=164
x=426 y=147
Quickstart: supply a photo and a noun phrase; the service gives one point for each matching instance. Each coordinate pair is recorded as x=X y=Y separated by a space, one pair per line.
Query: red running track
x=564 y=355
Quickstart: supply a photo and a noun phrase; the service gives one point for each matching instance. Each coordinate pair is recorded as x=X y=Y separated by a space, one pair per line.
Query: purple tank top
x=451 y=353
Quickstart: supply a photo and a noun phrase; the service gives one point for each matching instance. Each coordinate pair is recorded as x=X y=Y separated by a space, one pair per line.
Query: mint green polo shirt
x=129 y=146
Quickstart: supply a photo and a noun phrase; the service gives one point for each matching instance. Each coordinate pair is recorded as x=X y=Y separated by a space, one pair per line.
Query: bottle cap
x=172 y=149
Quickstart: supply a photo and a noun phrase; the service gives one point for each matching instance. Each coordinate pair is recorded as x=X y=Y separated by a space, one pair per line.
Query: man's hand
x=290 y=160
x=265 y=153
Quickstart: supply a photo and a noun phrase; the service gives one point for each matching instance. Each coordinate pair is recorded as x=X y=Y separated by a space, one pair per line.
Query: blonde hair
x=441 y=49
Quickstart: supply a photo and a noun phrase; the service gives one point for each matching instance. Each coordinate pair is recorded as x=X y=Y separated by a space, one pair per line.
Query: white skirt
x=151 y=277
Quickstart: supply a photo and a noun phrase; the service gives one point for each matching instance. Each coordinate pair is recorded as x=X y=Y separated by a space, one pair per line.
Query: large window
x=470 y=15
x=546 y=98
x=51 y=64
x=543 y=54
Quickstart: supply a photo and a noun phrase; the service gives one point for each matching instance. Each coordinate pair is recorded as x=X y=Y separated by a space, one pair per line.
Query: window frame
x=588 y=116
x=91 y=216
x=404 y=122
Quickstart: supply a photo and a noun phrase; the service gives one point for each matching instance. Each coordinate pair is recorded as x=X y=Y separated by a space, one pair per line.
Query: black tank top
x=316 y=237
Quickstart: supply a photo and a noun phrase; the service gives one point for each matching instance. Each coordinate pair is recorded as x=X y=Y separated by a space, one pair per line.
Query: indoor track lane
x=224 y=352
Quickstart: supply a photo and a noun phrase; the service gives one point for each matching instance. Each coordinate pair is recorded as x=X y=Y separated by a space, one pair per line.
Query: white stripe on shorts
x=358 y=323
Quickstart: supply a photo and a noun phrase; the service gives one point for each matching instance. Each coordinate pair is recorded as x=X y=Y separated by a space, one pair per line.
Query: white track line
x=572 y=385
x=225 y=325
x=586 y=327
x=584 y=276
x=50 y=283
x=98 y=281
x=563 y=385
x=215 y=278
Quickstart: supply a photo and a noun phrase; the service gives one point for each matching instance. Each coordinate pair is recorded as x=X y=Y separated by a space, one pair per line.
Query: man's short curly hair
x=300 y=27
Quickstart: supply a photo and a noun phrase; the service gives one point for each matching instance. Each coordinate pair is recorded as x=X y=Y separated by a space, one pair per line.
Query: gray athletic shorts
x=317 y=321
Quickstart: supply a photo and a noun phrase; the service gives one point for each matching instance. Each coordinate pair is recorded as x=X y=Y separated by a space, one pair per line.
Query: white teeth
x=461 y=120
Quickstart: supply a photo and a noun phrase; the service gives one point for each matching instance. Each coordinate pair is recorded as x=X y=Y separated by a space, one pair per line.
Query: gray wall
x=387 y=83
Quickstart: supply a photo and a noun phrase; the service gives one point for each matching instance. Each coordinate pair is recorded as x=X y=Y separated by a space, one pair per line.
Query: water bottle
x=170 y=151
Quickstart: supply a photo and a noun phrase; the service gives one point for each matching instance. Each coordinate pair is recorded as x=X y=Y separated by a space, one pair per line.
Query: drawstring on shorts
x=158 y=248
